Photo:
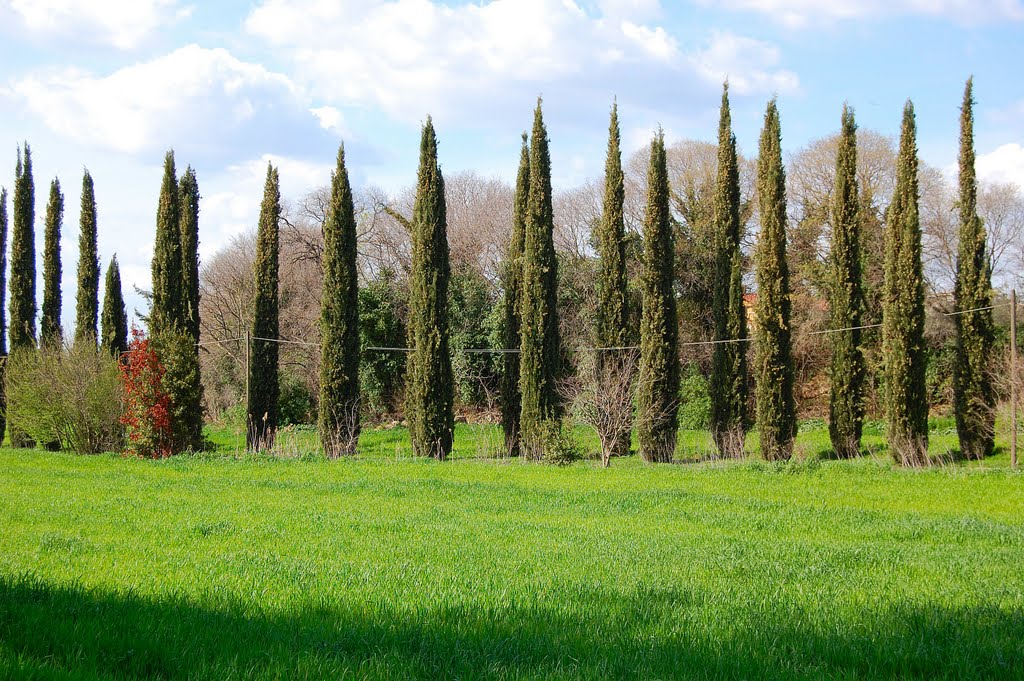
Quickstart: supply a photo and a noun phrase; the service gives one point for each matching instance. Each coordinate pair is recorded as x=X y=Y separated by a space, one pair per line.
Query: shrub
x=66 y=396
x=694 y=399
x=557 y=443
x=147 y=405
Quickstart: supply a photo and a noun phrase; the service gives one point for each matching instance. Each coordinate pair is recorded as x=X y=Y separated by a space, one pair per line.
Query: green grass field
x=222 y=566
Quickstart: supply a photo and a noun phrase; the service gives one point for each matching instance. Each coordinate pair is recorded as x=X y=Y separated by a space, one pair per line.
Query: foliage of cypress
x=846 y=396
x=973 y=393
x=541 y=352
x=264 y=387
x=776 y=406
x=728 y=384
x=339 y=322
x=3 y=315
x=511 y=399
x=612 y=294
x=188 y=193
x=88 y=304
x=168 y=297
x=430 y=393
x=903 y=346
x=51 y=335
x=658 y=389
x=23 y=269
x=114 y=327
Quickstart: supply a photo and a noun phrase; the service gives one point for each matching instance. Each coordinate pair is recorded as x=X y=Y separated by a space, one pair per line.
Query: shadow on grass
x=61 y=632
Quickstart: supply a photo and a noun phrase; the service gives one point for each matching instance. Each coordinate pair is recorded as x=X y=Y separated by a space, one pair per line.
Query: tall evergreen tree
x=431 y=391
x=51 y=334
x=541 y=348
x=114 y=328
x=776 y=406
x=511 y=399
x=166 y=311
x=729 y=354
x=846 y=396
x=88 y=304
x=658 y=389
x=612 y=297
x=188 y=191
x=3 y=314
x=339 y=321
x=264 y=387
x=974 y=397
x=903 y=345
x=23 y=269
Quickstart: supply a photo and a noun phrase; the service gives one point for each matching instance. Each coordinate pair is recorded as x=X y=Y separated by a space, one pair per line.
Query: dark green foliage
x=430 y=391
x=114 y=328
x=658 y=388
x=339 y=322
x=973 y=394
x=471 y=300
x=177 y=352
x=511 y=398
x=612 y=326
x=903 y=344
x=3 y=316
x=264 y=388
x=541 y=348
x=846 y=397
x=23 y=269
x=188 y=195
x=88 y=303
x=382 y=374
x=51 y=335
x=729 y=360
x=166 y=310
x=776 y=406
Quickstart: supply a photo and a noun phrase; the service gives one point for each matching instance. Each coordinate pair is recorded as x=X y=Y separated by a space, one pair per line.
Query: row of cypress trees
x=110 y=332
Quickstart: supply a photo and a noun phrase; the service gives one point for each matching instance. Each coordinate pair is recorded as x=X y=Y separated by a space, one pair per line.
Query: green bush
x=382 y=374
x=296 y=405
x=694 y=399
x=560 y=448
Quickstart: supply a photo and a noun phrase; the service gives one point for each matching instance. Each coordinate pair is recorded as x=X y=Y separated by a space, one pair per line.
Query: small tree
x=147 y=405
x=87 y=308
x=114 y=334
x=51 y=333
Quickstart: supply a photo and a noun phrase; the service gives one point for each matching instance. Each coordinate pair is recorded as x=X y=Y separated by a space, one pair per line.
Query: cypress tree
x=23 y=269
x=50 y=333
x=903 y=346
x=973 y=394
x=114 y=328
x=612 y=297
x=846 y=396
x=430 y=393
x=729 y=359
x=264 y=388
x=540 y=355
x=166 y=312
x=658 y=389
x=188 y=192
x=776 y=407
x=511 y=400
x=88 y=305
x=3 y=315
x=339 y=322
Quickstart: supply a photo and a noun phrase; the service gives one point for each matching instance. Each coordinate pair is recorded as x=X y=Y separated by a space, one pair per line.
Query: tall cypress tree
x=188 y=192
x=23 y=269
x=776 y=406
x=431 y=392
x=973 y=394
x=51 y=334
x=3 y=314
x=264 y=388
x=846 y=396
x=166 y=311
x=729 y=359
x=339 y=322
x=903 y=346
x=658 y=389
x=541 y=349
x=511 y=399
x=88 y=304
x=612 y=296
x=114 y=327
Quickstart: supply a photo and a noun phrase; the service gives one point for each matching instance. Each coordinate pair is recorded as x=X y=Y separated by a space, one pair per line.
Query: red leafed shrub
x=147 y=405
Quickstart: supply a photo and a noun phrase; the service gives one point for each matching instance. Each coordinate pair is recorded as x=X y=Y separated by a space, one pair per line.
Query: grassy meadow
x=225 y=566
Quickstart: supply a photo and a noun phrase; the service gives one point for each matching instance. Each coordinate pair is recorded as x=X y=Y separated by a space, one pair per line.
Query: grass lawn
x=222 y=566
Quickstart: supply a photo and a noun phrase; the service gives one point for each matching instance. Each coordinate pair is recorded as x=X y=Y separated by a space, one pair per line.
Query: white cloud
x=750 y=65
x=802 y=13
x=330 y=119
x=1003 y=164
x=192 y=96
x=125 y=24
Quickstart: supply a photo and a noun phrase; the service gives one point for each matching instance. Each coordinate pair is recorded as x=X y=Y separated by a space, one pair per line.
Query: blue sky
x=229 y=85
